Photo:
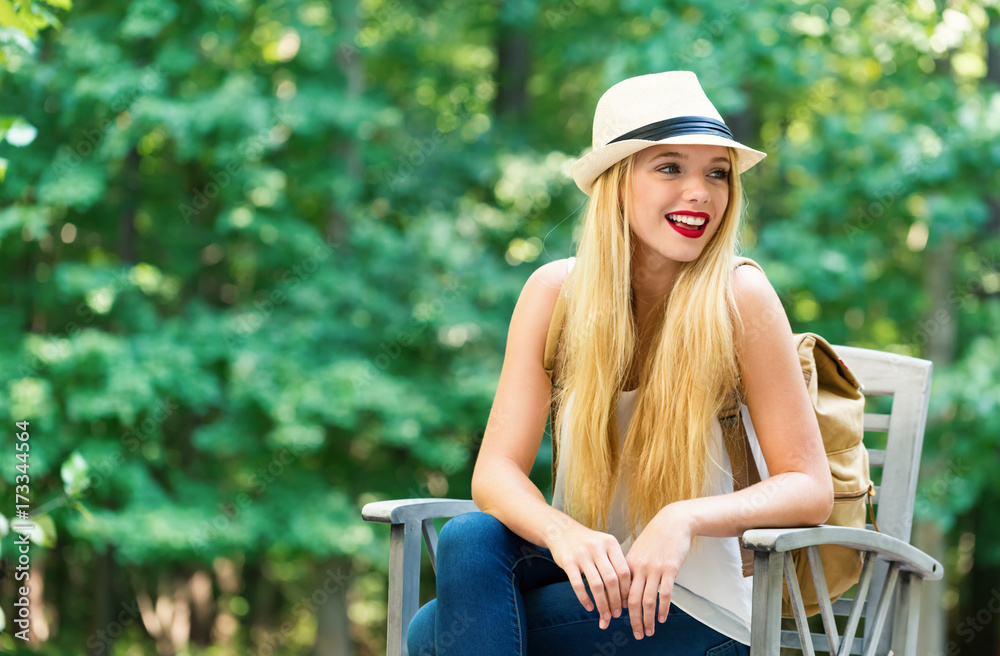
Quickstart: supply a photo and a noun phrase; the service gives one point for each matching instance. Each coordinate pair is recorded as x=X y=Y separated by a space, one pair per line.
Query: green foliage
x=259 y=258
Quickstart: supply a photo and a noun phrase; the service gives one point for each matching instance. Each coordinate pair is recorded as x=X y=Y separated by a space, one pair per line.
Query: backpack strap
x=734 y=436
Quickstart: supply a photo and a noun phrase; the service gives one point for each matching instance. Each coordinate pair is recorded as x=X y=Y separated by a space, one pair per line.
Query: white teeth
x=683 y=218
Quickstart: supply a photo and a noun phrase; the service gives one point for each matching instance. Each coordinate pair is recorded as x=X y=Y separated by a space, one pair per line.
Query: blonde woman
x=636 y=553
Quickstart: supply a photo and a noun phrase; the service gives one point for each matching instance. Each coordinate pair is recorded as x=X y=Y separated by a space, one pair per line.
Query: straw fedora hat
x=660 y=108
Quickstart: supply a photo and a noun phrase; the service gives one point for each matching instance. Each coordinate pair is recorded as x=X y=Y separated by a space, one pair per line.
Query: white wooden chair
x=887 y=598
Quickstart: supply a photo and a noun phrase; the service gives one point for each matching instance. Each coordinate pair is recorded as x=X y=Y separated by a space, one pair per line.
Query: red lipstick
x=687 y=230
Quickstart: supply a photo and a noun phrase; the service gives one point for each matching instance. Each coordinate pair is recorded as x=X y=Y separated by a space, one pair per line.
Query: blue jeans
x=500 y=595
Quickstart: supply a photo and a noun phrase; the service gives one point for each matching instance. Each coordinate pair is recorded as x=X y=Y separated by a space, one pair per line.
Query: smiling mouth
x=688 y=225
x=689 y=219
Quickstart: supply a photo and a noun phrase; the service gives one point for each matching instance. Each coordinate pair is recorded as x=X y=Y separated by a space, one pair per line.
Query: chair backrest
x=897 y=394
x=895 y=435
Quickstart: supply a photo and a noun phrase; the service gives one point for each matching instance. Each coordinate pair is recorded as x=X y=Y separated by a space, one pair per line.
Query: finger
x=611 y=586
x=635 y=605
x=576 y=581
x=597 y=590
x=649 y=605
x=666 y=591
x=624 y=575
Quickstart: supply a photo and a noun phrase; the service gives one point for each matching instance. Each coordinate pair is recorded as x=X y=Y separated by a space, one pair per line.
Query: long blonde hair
x=691 y=367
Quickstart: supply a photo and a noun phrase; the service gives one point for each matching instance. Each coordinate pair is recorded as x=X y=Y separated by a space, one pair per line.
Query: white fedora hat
x=660 y=108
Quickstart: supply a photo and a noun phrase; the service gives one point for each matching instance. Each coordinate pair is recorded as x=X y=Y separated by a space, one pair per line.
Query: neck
x=652 y=280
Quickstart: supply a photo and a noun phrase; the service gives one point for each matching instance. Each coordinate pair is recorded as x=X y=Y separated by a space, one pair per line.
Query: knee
x=469 y=532
x=420 y=633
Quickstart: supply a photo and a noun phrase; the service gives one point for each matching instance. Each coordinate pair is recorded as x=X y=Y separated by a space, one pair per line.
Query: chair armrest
x=892 y=549
x=400 y=511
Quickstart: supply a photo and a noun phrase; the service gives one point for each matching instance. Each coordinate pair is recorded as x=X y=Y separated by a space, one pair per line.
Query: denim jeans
x=500 y=595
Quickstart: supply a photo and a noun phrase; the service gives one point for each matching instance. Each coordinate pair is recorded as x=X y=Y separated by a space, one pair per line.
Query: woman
x=636 y=554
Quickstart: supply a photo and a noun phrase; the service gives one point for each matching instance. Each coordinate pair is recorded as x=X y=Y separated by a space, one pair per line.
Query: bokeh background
x=257 y=261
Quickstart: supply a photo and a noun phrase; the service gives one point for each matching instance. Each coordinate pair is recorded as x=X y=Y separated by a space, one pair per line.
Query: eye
x=674 y=168
x=720 y=174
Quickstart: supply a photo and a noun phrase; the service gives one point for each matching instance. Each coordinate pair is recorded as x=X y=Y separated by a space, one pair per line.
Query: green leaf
x=20 y=133
x=41 y=530
x=75 y=474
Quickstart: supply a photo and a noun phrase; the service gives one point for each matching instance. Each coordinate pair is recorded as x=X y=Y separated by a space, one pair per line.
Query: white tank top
x=710 y=586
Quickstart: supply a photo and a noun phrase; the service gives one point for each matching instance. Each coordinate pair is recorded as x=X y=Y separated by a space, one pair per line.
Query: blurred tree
x=260 y=257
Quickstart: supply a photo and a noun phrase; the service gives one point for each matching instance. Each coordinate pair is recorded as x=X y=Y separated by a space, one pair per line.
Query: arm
x=799 y=491
x=500 y=483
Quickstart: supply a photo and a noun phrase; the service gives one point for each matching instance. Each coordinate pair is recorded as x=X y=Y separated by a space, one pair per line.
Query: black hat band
x=673 y=127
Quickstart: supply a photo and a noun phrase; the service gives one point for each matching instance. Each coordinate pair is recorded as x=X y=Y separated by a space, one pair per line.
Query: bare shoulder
x=536 y=304
x=758 y=303
x=551 y=276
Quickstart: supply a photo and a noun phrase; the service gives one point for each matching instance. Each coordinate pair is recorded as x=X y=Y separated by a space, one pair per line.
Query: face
x=690 y=185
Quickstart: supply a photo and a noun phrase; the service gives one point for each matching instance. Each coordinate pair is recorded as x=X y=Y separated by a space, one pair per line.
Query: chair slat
x=795 y=597
x=876 y=423
x=882 y=609
x=876 y=457
x=431 y=538
x=823 y=596
x=842 y=607
x=867 y=569
x=790 y=640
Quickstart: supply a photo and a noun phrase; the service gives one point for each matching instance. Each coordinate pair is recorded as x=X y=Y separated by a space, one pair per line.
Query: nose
x=696 y=189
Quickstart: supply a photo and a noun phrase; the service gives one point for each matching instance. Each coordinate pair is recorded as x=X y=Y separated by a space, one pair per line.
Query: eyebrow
x=683 y=156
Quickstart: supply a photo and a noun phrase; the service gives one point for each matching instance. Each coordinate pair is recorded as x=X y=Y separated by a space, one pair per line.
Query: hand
x=580 y=551
x=655 y=560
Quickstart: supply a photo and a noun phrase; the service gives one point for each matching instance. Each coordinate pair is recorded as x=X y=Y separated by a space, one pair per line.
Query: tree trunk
x=510 y=106
x=332 y=625
x=513 y=67
x=976 y=632
x=202 y=608
x=348 y=58
x=978 y=619
x=39 y=628
x=104 y=585
x=938 y=280
x=263 y=600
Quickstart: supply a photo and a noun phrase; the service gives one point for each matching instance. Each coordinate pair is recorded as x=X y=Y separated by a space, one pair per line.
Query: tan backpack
x=839 y=404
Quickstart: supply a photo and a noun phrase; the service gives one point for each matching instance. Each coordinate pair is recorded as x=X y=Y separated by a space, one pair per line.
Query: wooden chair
x=887 y=598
